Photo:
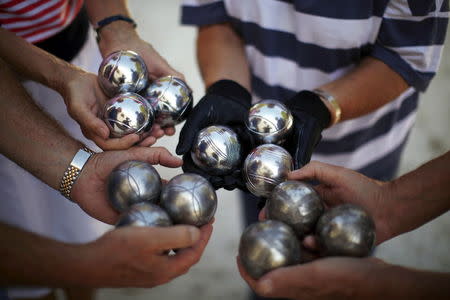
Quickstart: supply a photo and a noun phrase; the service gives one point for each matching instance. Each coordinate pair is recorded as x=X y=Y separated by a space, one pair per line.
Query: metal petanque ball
x=265 y=167
x=270 y=121
x=297 y=204
x=171 y=98
x=122 y=71
x=346 y=230
x=216 y=150
x=267 y=245
x=189 y=199
x=133 y=182
x=128 y=113
x=144 y=214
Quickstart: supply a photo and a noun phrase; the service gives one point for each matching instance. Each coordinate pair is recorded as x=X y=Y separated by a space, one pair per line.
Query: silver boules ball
x=297 y=204
x=171 y=98
x=122 y=71
x=189 y=199
x=128 y=113
x=144 y=214
x=133 y=182
x=270 y=121
x=216 y=150
x=346 y=230
x=265 y=167
x=267 y=245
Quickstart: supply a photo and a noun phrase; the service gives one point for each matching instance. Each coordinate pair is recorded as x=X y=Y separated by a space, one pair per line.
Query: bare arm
x=221 y=55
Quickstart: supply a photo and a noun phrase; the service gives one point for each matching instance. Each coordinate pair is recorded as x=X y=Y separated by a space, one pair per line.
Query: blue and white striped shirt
x=293 y=45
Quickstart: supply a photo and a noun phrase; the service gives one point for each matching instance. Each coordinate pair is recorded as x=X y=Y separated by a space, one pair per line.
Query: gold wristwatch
x=331 y=104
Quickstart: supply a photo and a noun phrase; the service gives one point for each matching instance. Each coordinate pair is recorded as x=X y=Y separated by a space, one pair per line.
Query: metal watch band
x=73 y=171
x=332 y=105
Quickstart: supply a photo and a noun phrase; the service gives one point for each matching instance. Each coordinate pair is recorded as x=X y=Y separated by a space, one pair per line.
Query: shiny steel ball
x=189 y=199
x=122 y=71
x=144 y=214
x=216 y=150
x=171 y=98
x=346 y=230
x=128 y=113
x=297 y=204
x=270 y=121
x=133 y=182
x=265 y=167
x=267 y=245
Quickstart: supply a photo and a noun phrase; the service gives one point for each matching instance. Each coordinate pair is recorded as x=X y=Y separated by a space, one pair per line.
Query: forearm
x=31 y=138
x=369 y=86
x=34 y=63
x=221 y=55
x=421 y=195
x=27 y=258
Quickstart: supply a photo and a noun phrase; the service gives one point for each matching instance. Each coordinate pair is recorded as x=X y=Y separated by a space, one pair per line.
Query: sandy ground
x=216 y=276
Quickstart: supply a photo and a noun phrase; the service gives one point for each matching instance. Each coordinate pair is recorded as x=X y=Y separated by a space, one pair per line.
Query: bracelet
x=332 y=105
x=108 y=20
x=74 y=170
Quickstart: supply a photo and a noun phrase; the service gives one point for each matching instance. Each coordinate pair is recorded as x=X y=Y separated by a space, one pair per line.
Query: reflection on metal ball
x=270 y=121
x=265 y=167
x=297 y=204
x=267 y=245
x=122 y=71
x=144 y=214
x=171 y=98
x=346 y=230
x=189 y=199
x=128 y=113
x=216 y=150
x=133 y=182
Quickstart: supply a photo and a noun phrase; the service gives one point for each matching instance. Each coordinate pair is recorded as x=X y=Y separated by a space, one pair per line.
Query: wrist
x=115 y=34
x=310 y=103
x=231 y=89
x=332 y=105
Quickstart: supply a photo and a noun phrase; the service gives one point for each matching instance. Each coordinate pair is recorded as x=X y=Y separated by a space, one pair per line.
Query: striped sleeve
x=411 y=39
x=203 y=12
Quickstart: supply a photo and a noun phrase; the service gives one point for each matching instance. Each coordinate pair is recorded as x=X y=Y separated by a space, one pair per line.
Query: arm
x=128 y=256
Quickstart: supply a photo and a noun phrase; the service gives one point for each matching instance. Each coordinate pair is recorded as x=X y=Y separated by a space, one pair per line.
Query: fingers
x=250 y=281
x=316 y=170
x=156 y=155
x=147 y=142
x=262 y=214
x=115 y=143
x=156 y=131
x=169 y=131
x=175 y=237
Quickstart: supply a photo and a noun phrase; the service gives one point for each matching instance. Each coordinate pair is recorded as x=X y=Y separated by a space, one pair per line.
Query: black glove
x=225 y=103
x=311 y=117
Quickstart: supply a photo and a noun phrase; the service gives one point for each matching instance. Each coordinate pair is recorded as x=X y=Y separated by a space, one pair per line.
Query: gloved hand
x=311 y=117
x=225 y=103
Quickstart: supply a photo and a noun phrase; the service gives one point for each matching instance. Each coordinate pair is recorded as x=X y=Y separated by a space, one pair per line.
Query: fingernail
x=266 y=286
x=103 y=133
x=195 y=234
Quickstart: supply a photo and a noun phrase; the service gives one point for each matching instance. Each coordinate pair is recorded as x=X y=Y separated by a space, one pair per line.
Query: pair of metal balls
x=166 y=101
x=186 y=198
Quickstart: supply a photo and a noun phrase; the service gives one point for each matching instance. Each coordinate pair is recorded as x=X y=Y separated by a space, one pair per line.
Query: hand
x=89 y=191
x=135 y=256
x=118 y=36
x=340 y=185
x=327 y=278
x=85 y=100
x=311 y=116
x=225 y=103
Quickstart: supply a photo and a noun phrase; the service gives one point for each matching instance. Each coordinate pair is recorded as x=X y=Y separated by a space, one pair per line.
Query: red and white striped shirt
x=37 y=20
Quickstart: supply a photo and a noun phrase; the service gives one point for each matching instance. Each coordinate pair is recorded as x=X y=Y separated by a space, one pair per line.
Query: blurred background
x=216 y=276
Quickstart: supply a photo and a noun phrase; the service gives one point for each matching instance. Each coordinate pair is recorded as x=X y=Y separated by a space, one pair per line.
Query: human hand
x=117 y=36
x=311 y=116
x=136 y=256
x=89 y=191
x=225 y=103
x=327 y=278
x=339 y=185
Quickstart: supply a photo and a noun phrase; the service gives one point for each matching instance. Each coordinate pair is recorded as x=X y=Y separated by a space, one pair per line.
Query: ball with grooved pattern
x=144 y=214
x=346 y=230
x=267 y=245
x=171 y=98
x=265 y=167
x=189 y=199
x=133 y=182
x=122 y=71
x=297 y=204
x=270 y=121
x=216 y=150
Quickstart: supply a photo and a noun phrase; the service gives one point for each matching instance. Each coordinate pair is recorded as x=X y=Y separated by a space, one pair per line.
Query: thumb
x=319 y=171
x=91 y=123
x=156 y=155
x=175 y=237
